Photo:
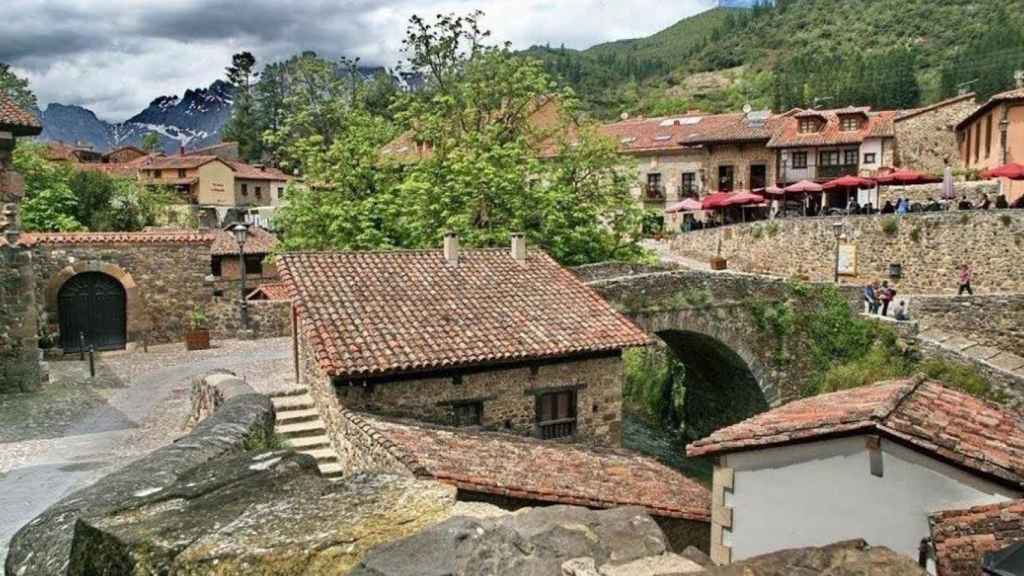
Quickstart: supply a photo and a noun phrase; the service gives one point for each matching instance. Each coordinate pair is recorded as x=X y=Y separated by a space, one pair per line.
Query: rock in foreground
x=547 y=541
x=257 y=514
x=850 y=558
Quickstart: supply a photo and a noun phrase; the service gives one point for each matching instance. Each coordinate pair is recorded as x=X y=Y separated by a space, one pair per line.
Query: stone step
x=331 y=470
x=300 y=402
x=297 y=415
x=296 y=391
x=309 y=442
x=322 y=455
x=300 y=429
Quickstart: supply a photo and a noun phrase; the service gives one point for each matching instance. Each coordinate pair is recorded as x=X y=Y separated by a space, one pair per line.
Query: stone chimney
x=451 y=248
x=519 y=247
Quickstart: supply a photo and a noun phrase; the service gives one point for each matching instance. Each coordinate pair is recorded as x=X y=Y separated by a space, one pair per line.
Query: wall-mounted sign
x=847 y=260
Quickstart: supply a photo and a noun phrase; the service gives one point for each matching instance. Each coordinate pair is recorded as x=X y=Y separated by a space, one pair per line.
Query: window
x=654 y=189
x=467 y=414
x=259 y=191
x=850 y=157
x=800 y=160
x=808 y=125
x=689 y=184
x=215 y=266
x=182 y=174
x=828 y=158
x=870 y=158
x=253 y=264
x=280 y=192
x=556 y=414
x=245 y=189
x=726 y=178
x=850 y=124
x=158 y=173
x=988 y=136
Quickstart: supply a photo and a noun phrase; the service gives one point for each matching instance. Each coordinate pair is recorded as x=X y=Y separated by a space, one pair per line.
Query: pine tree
x=242 y=127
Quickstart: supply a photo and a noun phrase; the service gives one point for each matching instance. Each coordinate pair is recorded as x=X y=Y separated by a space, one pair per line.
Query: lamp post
x=837 y=230
x=241 y=233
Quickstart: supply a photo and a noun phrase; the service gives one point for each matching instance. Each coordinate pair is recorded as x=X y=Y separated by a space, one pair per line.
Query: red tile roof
x=271 y=291
x=380 y=313
x=149 y=237
x=250 y=172
x=877 y=125
x=260 y=241
x=676 y=133
x=961 y=538
x=14 y=119
x=532 y=469
x=177 y=162
x=946 y=423
x=1008 y=96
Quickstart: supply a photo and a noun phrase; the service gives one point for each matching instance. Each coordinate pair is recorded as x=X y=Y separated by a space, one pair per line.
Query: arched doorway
x=92 y=310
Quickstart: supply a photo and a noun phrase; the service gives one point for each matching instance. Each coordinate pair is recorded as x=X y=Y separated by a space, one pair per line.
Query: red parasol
x=726 y=199
x=849 y=182
x=803 y=187
x=688 y=205
x=716 y=200
x=1013 y=171
x=903 y=177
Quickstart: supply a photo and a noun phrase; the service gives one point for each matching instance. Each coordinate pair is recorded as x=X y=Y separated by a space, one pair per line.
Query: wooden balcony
x=839 y=170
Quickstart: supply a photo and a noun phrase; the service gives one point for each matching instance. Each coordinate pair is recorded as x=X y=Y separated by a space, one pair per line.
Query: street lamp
x=241 y=234
x=837 y=230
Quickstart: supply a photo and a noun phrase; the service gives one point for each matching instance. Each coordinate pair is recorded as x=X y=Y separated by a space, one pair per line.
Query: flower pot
x=197 y=339
x=718 y=263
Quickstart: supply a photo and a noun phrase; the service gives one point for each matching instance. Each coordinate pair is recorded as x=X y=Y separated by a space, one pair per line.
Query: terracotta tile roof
x=1008 y=96
x=225 y=150
x=946 y=423
x=271 y=291
x=59 y=151
x=380 y=313
x=675 y=133
x=112 y=168
x=907 y=114
x=532 y=469
x=177 y=162
x=148 y=237
x=14 y=119
x=260 y=241
x=961 y=538
x=250 y=172
x=877 y=125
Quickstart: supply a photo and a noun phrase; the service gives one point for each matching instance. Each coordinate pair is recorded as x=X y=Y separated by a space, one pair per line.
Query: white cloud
x=115 y=56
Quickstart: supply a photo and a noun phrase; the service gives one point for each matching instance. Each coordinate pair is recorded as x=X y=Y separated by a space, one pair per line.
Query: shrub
x=880 y=363
x=915 y=234
x=1005 y=219
x=961 y=377
x=965 y=219
x=890 y=225
x=772 y=228
x=198 y=318
x=647 y=382
x=757 y=232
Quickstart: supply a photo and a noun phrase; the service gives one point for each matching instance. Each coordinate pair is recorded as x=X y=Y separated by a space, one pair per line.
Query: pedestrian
x=888 y=208
x=964 y=204
x=871 y=297
x=965 y=280
x=885 y=296
x=903 y=206
x=1001 y=202
x=985 y=203
x=901 y=312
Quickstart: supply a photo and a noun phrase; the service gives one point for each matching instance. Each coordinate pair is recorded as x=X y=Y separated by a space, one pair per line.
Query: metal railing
x=563 y=428
x=654 y=193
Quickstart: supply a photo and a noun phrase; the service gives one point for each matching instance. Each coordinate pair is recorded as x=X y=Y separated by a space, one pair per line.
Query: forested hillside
x=885 y=53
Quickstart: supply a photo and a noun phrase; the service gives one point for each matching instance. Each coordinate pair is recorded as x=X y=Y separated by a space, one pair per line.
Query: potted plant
x=198 y=335
x=717 y=261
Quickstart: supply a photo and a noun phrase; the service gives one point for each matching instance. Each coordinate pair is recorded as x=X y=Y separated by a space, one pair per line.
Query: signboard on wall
x=847 y=260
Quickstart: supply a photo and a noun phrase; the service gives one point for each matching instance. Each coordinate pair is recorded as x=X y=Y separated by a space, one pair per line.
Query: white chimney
x=519 y=247
x=451 y=248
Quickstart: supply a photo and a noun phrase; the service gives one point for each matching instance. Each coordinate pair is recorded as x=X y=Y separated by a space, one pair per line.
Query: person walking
x=885 y=296
x=871 y=297
x=965 y=280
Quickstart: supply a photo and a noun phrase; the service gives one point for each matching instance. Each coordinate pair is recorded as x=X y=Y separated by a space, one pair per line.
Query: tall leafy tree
x=151 y=142
x=16 y=88
x=243 y=127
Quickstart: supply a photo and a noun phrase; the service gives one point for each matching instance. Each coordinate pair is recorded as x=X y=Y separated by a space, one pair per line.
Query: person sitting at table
x=888 y=208
x=1001 y=203
x=985 y=203
x=964 y=204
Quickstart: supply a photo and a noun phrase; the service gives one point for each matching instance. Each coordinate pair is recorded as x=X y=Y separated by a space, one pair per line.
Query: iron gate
x=92 y=310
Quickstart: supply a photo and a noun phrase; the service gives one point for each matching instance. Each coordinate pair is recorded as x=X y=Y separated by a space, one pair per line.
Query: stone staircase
x=298 y=422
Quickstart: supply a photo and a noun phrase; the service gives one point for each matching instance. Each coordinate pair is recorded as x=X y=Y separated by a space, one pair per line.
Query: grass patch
x=1005 y=220
x=772 y=229
x=915 y=234
x=757 y=232
x=264 y=440
x=890 y=225
x=965 y=219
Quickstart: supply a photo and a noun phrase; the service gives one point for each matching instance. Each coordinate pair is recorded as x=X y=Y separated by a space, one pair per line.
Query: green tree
x=16 y=89
x=49 y=202
x=242 y=127
x=150 y=142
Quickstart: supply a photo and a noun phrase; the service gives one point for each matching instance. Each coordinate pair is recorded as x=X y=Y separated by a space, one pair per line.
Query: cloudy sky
x=114 y=56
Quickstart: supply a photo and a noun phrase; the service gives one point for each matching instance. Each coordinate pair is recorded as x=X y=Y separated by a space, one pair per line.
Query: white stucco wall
x=818 y=493
x=871 y=146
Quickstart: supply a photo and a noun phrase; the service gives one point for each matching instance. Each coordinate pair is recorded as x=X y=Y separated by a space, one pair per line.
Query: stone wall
x=163 y=282
x=993 y=320
x=925 y=193
x=926 y=140
x=267 y=318
x=930 y=247
x=508 y=395
x=210 y=392
x=606 y=270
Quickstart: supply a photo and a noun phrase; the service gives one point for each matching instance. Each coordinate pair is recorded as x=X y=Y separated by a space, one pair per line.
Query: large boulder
x=257 y=514
x=849 y=558
x=547 y=541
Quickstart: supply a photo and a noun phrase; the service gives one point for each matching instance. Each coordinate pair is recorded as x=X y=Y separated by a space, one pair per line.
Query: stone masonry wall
x=508 y=396
x=930 y=247
x=925 y=193
x=170 y=280
x=267 y=318
x=993 y=320
x=927 y=141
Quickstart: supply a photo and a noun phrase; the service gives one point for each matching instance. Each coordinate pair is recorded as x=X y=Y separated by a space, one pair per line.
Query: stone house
x=224 y=261
x=874 y=462
x=501 y=340
x=993 y=135
x=20 y=369
x=926 y=137
x=123 y=155
x=227 y=151
x=211 y=181
x=961 y=538
x=67 y=153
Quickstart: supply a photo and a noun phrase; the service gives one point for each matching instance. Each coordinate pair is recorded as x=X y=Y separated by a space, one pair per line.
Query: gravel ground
x=78 y=429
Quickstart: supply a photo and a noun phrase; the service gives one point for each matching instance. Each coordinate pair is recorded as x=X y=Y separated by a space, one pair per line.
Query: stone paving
x=76 y=429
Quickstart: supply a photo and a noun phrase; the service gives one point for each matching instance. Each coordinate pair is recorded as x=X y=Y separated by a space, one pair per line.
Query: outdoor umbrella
x=849 y=183
x=716 y=200
x=948 y=189
x=688 y=205
x=1012 y=171
x=803 y=187
x=774 y=191
x=744 y=199
x=905 y=176
x=1006 y=562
